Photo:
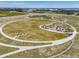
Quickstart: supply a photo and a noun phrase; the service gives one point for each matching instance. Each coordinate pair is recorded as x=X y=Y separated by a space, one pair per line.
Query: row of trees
x=68 y=12
x=11 y=9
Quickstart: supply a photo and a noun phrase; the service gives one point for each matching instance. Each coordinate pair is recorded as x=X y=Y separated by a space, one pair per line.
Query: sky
x=40 y=4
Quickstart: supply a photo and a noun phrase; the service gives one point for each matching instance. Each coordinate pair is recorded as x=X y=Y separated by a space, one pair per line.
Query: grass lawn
x=7 y=13
x=41 y=52
x=4 y=49
x=13 y=42
x=72 y=20
x=31 y=30
x=74 y=51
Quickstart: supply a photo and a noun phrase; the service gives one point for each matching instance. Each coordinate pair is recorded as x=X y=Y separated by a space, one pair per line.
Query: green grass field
x=4 y=50
x=31 y=30
x=74 y=51
x=12 y=42
x=42 y=52
x=72 y=20
x=7 y=13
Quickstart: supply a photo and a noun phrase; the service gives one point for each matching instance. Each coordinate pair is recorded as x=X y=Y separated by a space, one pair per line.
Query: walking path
x=63 y=51
x=19 y=40
x=23 y=48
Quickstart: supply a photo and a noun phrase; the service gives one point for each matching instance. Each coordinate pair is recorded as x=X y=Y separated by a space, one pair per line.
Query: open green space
x=30 y=30
x=4 y=50
x=10 y=13
x=72 y=20
x=13 y=42
x=42 y=52
x=74 y=51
